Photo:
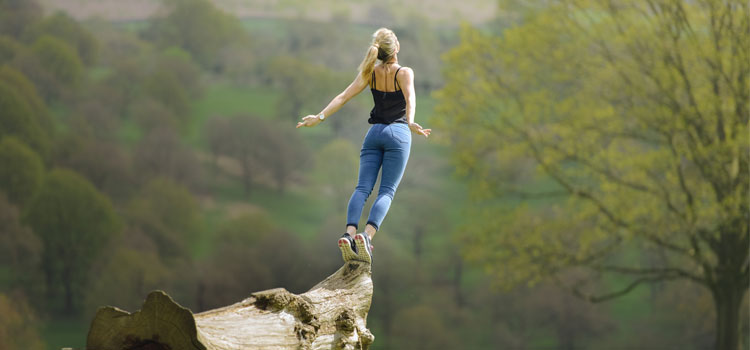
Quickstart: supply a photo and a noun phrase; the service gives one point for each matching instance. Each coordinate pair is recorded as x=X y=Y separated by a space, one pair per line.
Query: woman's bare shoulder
x=405 y=74
x=404 y=71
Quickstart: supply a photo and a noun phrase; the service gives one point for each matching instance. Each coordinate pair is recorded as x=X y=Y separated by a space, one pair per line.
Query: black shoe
x=364 y=247
x=347 y=247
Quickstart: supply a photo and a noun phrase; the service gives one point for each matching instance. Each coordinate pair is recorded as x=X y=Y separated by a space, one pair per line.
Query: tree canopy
x=198 y=27
x=65 y=28
x=22 y=170
x=74 y=221
x=22 y=114
x=605 y=126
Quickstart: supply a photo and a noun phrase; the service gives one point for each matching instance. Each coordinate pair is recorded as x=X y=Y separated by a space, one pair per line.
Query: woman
x=386 y=144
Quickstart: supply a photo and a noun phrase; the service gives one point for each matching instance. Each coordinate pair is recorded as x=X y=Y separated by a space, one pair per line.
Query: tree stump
x=331 y=315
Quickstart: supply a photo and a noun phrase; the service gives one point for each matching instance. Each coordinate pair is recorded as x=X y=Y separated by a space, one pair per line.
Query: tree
x=166 y=88
x=259 y=146
x=304 y=85
x=250 y=254
x=284 y=154
x=151 y=115
x=20 y=250
x=22 y=170
x=173 y=82
x=161 y=154
x=125 y=81
x=168 y=214
x=25 y=87
x=59 y=59
x=18 y=326
x=18 y=114
x=336 y=166
x=65 y=28
x=104 y=163
x=217 y=131
x=619 y=127
x=17 y=15
x=74 y=221
x=198 y=27
x=9 y=49
x=421 y=42
x=124 y=276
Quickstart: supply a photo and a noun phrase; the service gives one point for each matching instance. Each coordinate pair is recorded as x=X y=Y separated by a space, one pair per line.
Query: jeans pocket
x=402 y=135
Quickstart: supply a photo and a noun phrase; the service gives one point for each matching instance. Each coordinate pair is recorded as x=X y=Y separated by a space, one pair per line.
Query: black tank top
x=390 y=106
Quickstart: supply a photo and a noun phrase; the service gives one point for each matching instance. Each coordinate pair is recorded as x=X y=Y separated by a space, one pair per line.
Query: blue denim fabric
x=386 y=146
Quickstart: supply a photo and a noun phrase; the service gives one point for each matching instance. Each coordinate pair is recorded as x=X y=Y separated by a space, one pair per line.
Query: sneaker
x=364 y=247
x=348 y=248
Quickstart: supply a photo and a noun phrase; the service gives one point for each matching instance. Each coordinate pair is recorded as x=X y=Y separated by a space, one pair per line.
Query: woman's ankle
x=351 y=230
x=370 y=230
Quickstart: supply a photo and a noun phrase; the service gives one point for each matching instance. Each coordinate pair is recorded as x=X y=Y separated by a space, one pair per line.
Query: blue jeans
x=385 y=145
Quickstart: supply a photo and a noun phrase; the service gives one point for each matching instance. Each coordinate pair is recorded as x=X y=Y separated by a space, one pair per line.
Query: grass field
x=62 y=333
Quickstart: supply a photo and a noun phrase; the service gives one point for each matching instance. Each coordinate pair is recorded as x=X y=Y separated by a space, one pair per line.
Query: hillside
x=473 y=11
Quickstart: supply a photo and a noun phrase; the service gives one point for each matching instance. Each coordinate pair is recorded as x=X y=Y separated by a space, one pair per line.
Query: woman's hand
x=417 y=129
x=309 y=121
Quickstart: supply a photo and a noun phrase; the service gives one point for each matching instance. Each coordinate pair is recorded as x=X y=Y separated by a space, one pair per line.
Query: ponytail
x=384 y=46
x=368 y=63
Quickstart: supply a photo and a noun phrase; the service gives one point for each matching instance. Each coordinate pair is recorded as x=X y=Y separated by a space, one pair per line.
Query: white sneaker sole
x=365 y=254
x=346 y=250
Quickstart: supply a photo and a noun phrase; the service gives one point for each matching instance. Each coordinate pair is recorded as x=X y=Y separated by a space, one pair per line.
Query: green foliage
x=74 y=221
x=120 y=135
x=17 y=15
x=252 y=254
x=336 y=166
x=22 y=170
x=21 y=113
x=306 y=86
x=161 y=153
x=124 y=277
x=630 y=122
x=421 y=327
x=197 y=27
x=283 y=153
x=18 y=326
x=9 y=49
x=65 y=28
x=173 y=82
x=102 y=162
x=20 y=252
x=59 y=59
x=167 y=88
x=261 y=147
x=25 y=87
x=421 y=43
x=226 y=99
x=167 y=213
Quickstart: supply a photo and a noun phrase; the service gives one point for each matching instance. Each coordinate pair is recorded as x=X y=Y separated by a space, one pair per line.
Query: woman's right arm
x=341 y=99
x=406 y=81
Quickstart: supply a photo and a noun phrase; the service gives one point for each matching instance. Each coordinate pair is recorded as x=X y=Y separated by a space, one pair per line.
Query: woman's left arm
x=341 y=99
x=406 y=80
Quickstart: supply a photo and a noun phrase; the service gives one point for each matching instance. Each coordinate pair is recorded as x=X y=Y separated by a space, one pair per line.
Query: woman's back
x=385 y=79
x=388 y=98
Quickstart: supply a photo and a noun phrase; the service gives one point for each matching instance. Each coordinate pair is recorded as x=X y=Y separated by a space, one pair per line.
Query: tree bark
x=727 y=300
x=331 y=315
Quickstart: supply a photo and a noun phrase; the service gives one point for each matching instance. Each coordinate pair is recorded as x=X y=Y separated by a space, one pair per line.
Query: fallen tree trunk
x=331 y=315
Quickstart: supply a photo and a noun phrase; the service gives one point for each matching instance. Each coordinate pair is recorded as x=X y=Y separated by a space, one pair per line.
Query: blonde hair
x=383 y=47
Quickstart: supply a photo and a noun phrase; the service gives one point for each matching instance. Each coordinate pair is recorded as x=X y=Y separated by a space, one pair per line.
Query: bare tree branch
x=658 y=271
x=612 y=295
